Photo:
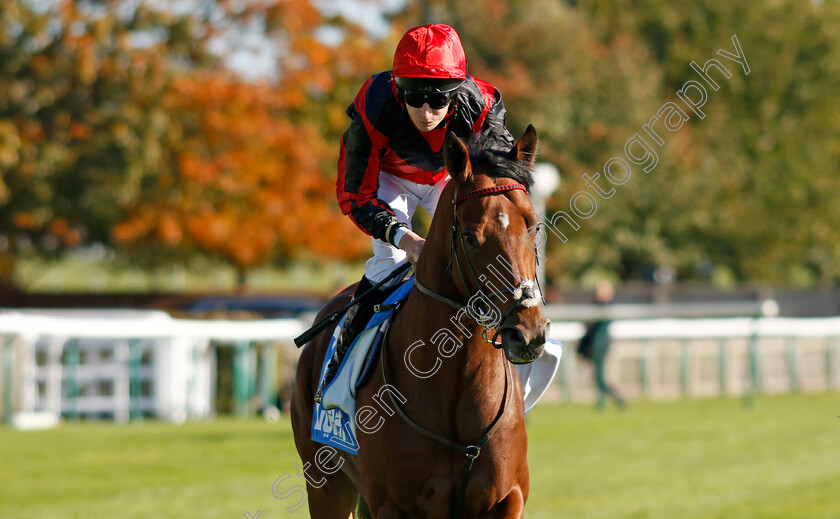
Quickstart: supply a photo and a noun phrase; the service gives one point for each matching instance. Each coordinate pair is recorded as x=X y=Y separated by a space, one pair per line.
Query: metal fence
x=123 y=365
x=674 y=358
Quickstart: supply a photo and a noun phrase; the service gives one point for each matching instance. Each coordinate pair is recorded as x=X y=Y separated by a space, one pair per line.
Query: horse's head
x=491 y=211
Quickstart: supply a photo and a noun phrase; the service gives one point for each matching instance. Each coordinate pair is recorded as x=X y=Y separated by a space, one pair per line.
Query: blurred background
x=168 y=224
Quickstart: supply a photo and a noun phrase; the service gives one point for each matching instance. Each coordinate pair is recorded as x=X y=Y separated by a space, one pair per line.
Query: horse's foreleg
x=330 y=496
x=511 y=507
x=336 y=499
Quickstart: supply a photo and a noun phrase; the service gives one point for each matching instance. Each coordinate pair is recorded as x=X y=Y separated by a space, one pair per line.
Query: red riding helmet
x=430 y=57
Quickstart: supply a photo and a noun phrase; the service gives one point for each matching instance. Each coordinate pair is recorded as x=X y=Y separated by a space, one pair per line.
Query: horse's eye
x=471 y=239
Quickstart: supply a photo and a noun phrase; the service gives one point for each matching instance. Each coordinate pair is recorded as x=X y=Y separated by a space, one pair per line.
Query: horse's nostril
x=514 y=337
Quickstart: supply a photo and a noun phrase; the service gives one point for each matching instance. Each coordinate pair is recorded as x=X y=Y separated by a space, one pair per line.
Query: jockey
x=391 y=156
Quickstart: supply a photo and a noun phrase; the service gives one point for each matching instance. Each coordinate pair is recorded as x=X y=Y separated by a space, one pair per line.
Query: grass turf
x=686 y=459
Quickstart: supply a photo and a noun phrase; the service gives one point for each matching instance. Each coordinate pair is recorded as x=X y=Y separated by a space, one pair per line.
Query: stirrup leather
x=342 y=344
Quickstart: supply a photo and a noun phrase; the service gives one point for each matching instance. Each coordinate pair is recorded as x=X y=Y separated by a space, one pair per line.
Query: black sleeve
x=358 y=183
x=358 y=148
x=376 y=217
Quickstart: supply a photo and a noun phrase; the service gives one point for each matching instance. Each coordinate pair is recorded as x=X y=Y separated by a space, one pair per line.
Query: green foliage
x=749 y=189
x=118 y=127
x=82 y=126
x=758 y=196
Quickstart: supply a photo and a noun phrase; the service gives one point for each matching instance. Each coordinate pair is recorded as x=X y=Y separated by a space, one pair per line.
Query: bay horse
x=450 y=438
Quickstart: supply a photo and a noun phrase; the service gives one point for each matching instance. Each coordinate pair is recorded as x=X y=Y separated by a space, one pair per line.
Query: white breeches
x=403 y=196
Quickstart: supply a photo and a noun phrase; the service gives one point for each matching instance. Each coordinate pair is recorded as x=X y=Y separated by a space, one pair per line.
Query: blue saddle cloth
x=332 y=421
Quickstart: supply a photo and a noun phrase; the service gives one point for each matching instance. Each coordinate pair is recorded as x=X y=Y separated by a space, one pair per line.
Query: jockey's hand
x=412 y=244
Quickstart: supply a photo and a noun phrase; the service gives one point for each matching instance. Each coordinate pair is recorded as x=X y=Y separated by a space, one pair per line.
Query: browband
x=489 y=191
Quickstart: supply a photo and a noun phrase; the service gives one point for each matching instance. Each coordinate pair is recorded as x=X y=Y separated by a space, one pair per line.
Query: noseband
x=524 y=295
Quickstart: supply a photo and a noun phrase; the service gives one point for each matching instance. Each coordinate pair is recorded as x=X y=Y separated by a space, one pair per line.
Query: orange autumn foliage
x=247 y=182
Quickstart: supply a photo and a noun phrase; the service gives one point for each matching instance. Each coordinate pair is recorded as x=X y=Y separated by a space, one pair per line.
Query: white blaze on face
x=530 y=288
x=503 y=218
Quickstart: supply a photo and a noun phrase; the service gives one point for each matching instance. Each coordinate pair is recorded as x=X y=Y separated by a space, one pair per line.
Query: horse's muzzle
x=523 y=345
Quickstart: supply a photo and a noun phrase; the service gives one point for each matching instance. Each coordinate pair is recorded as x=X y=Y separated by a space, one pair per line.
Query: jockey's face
x=426 y=118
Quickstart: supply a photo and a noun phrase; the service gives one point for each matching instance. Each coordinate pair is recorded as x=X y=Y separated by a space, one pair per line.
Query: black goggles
x=417 y=99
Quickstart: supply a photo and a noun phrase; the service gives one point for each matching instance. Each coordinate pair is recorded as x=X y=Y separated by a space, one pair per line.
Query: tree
x=121 y=128
x=759 y=197
x=251 y=178
x=747 y=191
x=80 y=126
x=245 y=183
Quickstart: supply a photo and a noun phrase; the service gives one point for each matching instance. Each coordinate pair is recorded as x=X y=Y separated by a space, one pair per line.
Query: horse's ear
x=526 y=147
x=457 y=159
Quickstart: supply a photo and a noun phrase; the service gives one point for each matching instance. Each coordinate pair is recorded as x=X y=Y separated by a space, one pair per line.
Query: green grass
x=687 y=459
x=690 y=459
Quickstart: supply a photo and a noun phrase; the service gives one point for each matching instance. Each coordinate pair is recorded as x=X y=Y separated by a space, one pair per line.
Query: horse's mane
x=485 y=153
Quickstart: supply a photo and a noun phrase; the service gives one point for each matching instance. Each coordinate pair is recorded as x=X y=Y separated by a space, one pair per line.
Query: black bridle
x=526 y=292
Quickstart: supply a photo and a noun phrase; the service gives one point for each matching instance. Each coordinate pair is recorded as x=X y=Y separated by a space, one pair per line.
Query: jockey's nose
x=428 y=111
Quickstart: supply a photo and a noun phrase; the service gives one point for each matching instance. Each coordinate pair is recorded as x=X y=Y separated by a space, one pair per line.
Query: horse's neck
x=444 y=362
x=475 y=364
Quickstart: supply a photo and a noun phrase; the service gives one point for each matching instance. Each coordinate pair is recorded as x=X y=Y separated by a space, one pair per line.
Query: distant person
x=595 y=344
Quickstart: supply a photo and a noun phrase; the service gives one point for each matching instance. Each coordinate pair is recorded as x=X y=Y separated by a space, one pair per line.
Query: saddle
x=332 y=420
